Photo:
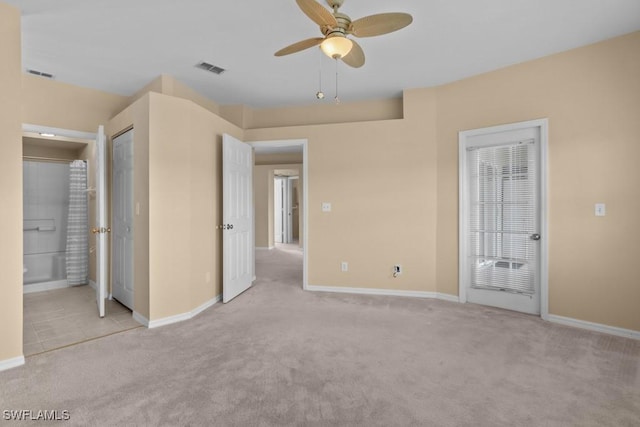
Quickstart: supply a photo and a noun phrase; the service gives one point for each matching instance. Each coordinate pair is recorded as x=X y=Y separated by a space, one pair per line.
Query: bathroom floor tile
x=29 y=335
x=32 y=348
x=63 y=340
x=125 y=319
x=61 y=317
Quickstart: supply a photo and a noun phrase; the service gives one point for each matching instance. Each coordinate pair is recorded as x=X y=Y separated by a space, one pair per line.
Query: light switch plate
x=326 y=207
x=601 y=209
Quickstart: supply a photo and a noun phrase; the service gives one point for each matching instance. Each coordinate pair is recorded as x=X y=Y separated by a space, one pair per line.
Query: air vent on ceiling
x=39 y=73
x=210 y=67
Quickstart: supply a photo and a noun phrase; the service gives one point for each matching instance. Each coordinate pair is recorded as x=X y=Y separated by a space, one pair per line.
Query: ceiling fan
x=336 y=26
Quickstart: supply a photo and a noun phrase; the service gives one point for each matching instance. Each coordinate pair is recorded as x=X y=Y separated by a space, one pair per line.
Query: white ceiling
x=120 y=45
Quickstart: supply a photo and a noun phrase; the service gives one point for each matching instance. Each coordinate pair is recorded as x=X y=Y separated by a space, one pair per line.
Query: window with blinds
x=502 y=217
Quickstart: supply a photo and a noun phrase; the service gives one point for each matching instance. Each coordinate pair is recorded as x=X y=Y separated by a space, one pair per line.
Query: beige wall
x=402 y=173
x=55 y=104
x=278 y=159
x=11 y=189
x=380 y=177
x=591 y=96
x=185 y=204
x=168 y=85
x=263 y=206
x=177 y=183
x=52 y=153
x=325 y=113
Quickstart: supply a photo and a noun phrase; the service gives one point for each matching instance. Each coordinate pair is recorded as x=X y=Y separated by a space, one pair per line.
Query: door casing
x=305 y=196
x=463 y=138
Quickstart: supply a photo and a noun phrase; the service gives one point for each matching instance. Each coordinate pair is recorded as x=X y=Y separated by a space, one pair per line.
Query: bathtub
x=44 y=272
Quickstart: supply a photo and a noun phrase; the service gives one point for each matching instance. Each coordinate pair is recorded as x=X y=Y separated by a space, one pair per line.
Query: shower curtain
x=77 y=256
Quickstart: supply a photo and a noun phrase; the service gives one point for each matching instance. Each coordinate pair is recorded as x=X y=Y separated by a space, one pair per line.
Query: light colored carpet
x=280 y=356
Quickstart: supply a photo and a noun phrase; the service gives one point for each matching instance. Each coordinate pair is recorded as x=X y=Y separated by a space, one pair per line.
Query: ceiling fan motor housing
x=344 y=22
x=335 y=3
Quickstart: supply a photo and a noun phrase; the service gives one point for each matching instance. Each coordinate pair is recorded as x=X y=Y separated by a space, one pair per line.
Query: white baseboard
x=140 y=319
x=447 y=297
x=11 y=363
x=93 y=285
x=270 y=248
x=597 y=327
x=385 y=292
x=176 y=318
x=206 y=305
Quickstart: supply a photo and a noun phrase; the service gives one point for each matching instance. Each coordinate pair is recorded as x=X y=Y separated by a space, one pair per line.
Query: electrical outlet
x=344 y=266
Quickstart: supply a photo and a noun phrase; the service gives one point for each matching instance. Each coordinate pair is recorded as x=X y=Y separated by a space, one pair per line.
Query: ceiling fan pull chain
x=336 y=98
x=320 y=93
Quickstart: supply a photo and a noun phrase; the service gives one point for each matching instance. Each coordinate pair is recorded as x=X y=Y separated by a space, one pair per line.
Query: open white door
x=101 y=229
x=237 y=217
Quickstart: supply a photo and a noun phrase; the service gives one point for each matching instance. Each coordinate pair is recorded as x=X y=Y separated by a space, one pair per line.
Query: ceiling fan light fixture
x=336 y=47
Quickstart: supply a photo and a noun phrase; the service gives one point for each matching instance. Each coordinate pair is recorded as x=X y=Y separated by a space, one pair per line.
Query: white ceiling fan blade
x=317 y=13
x=301 y=45
x=383 y=23
x=355 y=57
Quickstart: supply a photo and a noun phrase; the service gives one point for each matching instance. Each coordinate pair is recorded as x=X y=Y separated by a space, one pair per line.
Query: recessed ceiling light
x=48 y=135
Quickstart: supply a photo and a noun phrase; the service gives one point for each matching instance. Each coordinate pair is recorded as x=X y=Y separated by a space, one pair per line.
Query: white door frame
x=73 y=134
x=305 y=196
x=463 y=137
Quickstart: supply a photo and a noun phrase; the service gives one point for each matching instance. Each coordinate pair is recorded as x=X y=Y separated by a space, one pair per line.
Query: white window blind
x=503 y=205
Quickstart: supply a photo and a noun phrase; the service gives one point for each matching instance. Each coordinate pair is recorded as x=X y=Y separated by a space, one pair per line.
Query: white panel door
x=288 y=210
x=278 y=211
x=237 y=217
x=501 y=225
x=123 y=210
x=101 y=228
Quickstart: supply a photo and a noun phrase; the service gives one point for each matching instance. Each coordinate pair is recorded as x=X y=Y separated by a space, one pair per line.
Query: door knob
x=100 y=230
x=535 y=236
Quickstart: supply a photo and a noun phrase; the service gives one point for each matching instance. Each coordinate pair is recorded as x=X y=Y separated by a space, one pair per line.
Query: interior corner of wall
x=167 y=84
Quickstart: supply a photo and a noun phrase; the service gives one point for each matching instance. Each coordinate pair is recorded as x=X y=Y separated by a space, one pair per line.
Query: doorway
x=503 y=231
x=55 y=210
x=60 y=203
x=286 y=206
x=281 y=165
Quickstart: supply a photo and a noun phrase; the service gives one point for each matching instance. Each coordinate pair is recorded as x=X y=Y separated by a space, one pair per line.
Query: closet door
x=122 y=241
